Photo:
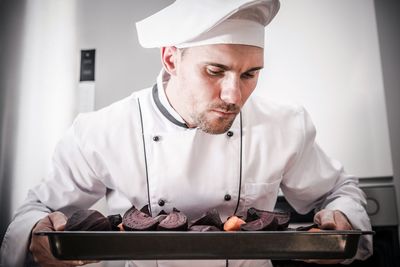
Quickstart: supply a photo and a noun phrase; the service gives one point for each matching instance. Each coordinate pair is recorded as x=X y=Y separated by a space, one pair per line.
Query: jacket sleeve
x=73 y=182
x=16 y=240
x=315 y=181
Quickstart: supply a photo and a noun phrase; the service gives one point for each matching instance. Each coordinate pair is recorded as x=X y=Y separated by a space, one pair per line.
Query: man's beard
x=218 y=125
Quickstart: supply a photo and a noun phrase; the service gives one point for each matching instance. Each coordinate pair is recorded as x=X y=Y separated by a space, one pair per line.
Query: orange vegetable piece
x=233 y=223
x=121 y=227
x=314 y=230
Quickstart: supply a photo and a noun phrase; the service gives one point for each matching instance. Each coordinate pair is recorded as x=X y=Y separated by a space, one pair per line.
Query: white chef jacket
x=138 y=151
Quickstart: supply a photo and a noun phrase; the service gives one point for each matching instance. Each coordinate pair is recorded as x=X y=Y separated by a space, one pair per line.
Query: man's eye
x=248 y=75
x=214 y=72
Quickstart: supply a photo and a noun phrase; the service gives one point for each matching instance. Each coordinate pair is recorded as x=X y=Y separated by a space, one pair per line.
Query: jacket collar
x=161 y=100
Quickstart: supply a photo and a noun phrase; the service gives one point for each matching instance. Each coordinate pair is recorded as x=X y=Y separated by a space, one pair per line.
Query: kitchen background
x=339 y=58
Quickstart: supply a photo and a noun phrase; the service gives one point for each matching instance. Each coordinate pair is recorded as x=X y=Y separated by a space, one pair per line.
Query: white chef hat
x=187 y=23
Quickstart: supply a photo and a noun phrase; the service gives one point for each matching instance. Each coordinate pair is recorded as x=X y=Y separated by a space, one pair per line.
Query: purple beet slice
x=87 y=220
x=283 y=219
x=258 y=220
x=203 y=228
x=175 y=221
x=264 y=223
x=252 y=215
x=210 y=218
x=135 y=220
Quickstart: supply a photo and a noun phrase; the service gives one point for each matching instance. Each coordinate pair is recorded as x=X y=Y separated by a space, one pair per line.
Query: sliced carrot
x=121 y=227
x=314 y=230
x=233 y=224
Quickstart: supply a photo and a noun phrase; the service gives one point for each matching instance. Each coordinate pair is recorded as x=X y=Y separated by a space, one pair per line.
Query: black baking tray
x=204 y=245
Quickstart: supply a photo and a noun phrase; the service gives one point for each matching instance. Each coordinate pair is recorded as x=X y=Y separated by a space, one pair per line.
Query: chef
x=195 y=140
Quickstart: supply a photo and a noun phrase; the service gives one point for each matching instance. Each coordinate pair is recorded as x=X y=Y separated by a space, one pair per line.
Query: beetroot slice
x=87 y=220
x=265 y=223
x=211 y=218
x=135 y=220
x=283 y=219
x=175 y=221
x=260 y=220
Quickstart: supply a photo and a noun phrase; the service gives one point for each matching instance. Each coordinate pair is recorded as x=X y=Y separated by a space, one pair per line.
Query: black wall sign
x=87 y=65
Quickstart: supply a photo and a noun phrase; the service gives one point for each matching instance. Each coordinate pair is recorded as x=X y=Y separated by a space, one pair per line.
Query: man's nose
x=231 y=91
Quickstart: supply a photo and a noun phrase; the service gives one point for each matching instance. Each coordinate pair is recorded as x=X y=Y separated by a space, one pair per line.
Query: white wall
x=325 y=55
x=45 y=92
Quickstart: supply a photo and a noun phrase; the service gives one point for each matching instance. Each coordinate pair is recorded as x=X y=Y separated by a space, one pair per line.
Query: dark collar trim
x=163 y=110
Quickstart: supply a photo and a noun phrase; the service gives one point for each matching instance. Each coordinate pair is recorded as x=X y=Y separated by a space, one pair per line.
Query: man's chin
x=214 y=131
x=216 y=126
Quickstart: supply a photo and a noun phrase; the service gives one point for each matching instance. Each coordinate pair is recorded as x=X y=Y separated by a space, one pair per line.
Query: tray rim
x=322 y=232
x=57 y=241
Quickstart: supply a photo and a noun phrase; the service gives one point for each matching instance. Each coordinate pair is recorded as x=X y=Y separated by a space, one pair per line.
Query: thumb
x=58 y=219
x=325 y=219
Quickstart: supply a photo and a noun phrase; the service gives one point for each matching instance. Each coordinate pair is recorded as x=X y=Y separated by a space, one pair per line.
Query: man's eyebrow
x=221 y=66
x=255 y=69
x=224 y=67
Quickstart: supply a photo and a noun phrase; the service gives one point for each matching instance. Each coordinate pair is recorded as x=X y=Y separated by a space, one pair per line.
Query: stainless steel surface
x=381 y=204
x=208 y=245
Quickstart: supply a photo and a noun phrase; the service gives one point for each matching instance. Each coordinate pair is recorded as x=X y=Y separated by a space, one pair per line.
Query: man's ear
x=169 y=58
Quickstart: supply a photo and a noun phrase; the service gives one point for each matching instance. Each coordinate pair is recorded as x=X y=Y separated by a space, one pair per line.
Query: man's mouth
x=224 y=112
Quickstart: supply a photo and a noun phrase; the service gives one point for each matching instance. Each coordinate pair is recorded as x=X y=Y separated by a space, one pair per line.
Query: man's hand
x=39 y=245
x=331 y=220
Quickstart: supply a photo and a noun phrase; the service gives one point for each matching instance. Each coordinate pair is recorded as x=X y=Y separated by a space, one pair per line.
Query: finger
x=58 y=220
x=325 y=219
x=43 y=225
x=79 y=262
x=74 y=263
x=39 y=245
x=342 y=223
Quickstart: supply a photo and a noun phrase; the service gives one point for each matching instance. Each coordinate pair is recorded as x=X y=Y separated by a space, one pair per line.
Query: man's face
x=214 y=82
